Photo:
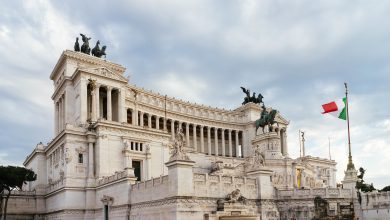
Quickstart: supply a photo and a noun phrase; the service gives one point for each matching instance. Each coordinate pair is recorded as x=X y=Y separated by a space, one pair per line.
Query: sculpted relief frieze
x=104 y=72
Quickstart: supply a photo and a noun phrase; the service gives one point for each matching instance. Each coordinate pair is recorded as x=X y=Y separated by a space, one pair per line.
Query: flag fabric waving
x=336 y=108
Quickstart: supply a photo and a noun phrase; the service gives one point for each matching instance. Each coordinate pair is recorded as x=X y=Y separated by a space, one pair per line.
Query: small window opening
x=80 y=158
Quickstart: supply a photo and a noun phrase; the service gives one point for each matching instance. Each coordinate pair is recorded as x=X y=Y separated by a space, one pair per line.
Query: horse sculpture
x=266 y=119
x=97 y=52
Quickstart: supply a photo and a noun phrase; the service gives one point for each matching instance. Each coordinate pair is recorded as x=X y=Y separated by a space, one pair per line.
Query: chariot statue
x=253 y=98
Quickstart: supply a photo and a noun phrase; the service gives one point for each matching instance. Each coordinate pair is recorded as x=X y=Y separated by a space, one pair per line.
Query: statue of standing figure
x=85 y=47
x=77 y=45
x=177 y=148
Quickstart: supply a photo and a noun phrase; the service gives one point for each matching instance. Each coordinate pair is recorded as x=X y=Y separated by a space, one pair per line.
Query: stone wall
x=375 y=205
x=150 y=190
x=25 y=205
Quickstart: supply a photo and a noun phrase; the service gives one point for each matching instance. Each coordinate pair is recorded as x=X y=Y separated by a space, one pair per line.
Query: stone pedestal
x=270 y=144
x=265 y=190
x=180 y=177
x=264 y=183
x=350 y=179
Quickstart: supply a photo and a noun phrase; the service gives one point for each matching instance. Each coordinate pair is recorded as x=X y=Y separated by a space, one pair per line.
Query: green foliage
x=12 y=178
x=361 y=185
x=385 y=189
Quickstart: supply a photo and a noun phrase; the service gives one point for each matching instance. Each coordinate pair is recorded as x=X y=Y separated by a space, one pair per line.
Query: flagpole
x=330 y=157
x=350 y=163
x=300 y=144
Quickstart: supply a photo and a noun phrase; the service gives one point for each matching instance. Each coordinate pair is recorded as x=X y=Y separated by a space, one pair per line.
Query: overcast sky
x=296 y=53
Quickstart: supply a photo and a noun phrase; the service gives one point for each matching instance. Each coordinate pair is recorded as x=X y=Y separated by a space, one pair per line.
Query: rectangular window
x=137 y=169
x=80 y=158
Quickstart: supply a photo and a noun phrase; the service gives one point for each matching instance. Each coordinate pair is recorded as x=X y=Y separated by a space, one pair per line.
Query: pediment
x=105 y=72
x=279 y=118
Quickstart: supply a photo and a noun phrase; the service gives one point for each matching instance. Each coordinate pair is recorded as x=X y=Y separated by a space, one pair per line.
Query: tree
x=361 y=185
x=385 y=189
x=12 y=178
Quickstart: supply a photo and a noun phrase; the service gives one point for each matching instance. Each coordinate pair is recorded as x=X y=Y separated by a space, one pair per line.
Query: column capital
x=109 y=88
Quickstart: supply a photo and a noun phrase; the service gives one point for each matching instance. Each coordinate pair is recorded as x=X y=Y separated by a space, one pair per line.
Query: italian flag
x=336 y=108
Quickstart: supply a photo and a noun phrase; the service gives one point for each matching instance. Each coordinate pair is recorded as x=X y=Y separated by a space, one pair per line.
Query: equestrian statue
x=266 y=118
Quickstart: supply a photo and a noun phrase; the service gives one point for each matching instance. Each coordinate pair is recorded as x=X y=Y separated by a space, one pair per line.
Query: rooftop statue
x=77 y=45
x=253 y=98
x=97 y=52
x=85 y=47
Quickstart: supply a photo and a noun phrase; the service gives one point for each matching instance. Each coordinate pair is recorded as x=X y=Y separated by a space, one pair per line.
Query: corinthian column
x=97 y=102
x=209 y=140
x=194 y=136
x=237 y=147
x=188 y=134
x=230 y=143
x=173 y=128
x=201 y=139
x=216 y=141
x=223 y=142
x=109 y=104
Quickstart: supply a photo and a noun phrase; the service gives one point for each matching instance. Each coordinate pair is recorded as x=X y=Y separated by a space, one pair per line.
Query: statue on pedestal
x=266 y=118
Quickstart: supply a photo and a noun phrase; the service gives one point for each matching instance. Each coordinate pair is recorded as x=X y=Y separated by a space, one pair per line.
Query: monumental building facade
x=123 y=152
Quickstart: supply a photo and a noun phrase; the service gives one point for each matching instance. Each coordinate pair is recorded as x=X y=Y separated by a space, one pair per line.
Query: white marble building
x=110 y=156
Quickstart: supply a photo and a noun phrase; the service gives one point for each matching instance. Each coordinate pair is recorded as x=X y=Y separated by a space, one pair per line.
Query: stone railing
x=22 y=193
x=219 y=186
x=153 y=189
x=375 y=200
x=112 y=178
x=311 y=193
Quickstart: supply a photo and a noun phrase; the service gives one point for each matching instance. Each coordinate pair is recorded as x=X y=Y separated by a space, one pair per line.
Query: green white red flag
x=336 y=108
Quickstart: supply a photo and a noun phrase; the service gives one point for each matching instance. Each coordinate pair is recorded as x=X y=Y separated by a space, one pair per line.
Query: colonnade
x=105 y=102
x=203 y=139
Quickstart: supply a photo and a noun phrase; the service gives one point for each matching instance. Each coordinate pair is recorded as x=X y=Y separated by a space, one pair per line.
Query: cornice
x=85 y=58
